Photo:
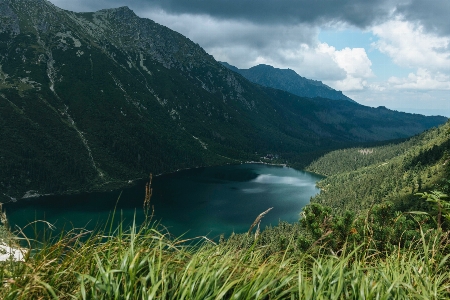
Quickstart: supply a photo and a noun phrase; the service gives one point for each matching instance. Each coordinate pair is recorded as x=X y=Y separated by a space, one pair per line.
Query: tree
x=442 y=206
x=324 y=228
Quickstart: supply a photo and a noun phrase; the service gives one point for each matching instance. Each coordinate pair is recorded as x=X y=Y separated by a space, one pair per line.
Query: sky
x=378 y=52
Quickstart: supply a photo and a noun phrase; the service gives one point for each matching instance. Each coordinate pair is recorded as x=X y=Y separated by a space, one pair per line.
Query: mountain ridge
x=288 y=80
x=90 y=101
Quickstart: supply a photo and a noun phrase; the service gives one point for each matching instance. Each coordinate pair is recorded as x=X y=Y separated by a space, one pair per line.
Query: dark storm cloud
x=434 y=15
x=357 y=12
x=90 y=6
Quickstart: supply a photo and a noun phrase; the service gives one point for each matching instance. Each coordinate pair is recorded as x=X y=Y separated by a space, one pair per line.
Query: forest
x=358 y=178
x=378 y=230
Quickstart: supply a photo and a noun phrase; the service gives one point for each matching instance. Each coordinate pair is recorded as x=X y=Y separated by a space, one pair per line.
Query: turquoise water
x=197 y=202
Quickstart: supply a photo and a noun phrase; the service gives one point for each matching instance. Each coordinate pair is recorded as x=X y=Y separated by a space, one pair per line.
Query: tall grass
x=144 y=262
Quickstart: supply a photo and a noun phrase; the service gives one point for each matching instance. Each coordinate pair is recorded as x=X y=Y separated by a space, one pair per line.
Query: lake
x=197 y=202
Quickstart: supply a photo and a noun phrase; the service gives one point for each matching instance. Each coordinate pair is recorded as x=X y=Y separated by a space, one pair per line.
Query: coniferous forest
x=378 y=229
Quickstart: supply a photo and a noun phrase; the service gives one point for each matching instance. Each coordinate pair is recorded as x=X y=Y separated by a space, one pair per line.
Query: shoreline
x=268 y=164
x=114 y=185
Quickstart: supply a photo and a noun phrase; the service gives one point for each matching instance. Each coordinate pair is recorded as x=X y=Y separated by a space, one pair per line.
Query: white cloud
x=423 y=79
x=410 y=46
x=354 y=61
x=307 y=61
x=356 y=64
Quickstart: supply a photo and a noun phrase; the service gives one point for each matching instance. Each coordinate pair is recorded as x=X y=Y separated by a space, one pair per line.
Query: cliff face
x=93 y=100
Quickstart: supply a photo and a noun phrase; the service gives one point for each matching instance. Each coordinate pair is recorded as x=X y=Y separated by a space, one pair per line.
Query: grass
x=144 y=262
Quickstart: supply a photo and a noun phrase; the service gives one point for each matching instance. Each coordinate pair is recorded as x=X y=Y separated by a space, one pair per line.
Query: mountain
x=93 y=101
x=289 y=81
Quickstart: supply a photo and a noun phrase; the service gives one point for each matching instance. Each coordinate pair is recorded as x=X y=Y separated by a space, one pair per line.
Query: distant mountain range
x=289 y=81
x=93 y=101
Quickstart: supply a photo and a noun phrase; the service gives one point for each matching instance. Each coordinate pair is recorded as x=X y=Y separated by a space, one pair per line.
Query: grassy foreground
x=145 y=263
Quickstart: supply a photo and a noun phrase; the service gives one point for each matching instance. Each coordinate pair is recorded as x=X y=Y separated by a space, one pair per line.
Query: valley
x=90 y=101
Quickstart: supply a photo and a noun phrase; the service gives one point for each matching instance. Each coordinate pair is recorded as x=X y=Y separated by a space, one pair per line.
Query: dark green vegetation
x=147 y=264
x=289 y=81
x=361 y=177
x=393 y=246
x=89 y=101
x=369 y=194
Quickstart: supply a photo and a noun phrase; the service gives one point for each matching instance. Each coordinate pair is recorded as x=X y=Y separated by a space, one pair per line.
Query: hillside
x=93 y=101
x=288 y=80
x=384 y=251
x=361 y=177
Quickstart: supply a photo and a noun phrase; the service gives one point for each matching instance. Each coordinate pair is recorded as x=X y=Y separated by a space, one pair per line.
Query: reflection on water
x=271 y=179
x=207 y=201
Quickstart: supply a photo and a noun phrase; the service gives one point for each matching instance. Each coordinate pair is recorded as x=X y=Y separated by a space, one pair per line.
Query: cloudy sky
x=378 y=52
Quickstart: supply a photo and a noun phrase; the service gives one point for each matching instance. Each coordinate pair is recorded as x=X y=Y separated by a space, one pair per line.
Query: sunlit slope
x=361 y=177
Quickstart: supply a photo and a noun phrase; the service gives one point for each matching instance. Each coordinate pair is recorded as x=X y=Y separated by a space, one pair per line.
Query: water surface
x=205 y=201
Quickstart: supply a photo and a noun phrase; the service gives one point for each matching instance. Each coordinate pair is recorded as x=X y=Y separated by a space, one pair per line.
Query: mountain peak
x=288 y=80
x=121 y=12
x=263 y=66
x=269 y=68
x=119 y=9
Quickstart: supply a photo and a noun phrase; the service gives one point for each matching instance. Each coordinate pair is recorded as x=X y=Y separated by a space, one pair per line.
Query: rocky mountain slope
x=93 y=101
x=288 y=80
